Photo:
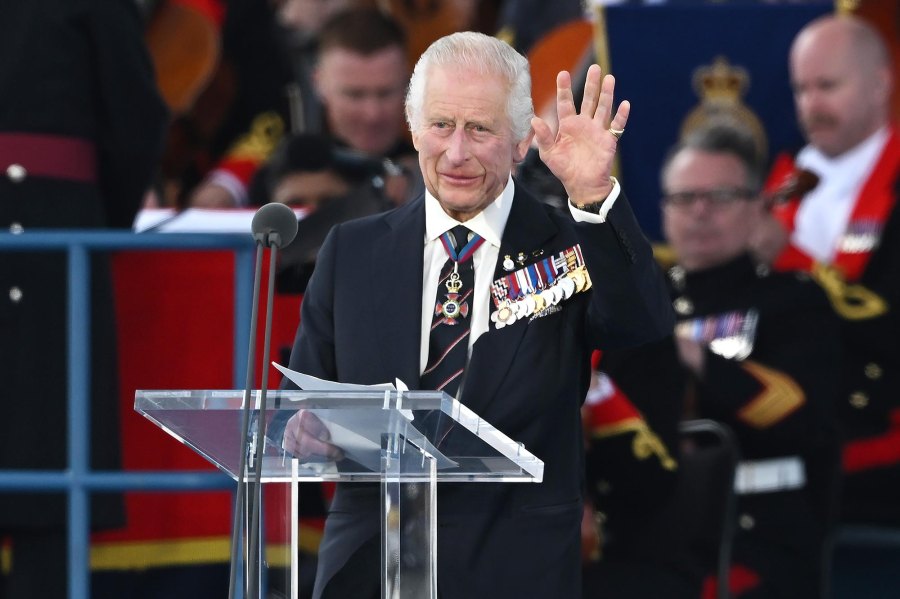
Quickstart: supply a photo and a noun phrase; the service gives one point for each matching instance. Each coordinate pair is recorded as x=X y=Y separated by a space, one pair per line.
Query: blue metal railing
x=78 y=481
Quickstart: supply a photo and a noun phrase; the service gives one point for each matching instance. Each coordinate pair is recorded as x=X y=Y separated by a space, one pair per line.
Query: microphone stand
x=261 y=429
x=273 y=225
x=242 y=490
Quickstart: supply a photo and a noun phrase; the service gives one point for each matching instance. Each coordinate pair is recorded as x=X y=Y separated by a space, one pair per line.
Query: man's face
x=708 y=215
x=839 y=100
x=363 y=97
x=310 y=189
x=465 y=141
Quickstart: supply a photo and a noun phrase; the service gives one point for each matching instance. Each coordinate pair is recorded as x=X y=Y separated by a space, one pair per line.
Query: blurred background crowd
x=762 y=157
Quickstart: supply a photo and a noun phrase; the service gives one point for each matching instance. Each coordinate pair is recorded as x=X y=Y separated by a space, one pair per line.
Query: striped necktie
x=448 y=343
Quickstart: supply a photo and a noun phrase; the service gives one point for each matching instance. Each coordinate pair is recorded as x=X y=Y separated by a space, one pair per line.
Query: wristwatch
x=593 y=208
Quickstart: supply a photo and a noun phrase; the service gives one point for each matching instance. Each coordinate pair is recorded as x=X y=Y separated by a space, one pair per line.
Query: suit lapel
x=528 y=230
x=396 y=287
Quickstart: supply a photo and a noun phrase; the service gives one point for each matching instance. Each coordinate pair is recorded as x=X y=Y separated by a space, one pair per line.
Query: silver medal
x=568 y=287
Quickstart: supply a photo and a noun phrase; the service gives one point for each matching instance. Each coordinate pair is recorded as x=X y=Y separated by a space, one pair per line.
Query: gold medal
x=577 y=277
x=450 y=308
x=503 y=315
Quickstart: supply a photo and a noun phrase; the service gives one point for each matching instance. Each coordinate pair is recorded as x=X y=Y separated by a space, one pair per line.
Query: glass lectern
x=408 y=441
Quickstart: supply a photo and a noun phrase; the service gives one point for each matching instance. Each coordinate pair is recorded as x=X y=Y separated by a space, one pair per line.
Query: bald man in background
x=846 y=232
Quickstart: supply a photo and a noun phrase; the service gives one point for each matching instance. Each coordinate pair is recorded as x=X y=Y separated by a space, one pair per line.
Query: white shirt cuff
x=583 y=216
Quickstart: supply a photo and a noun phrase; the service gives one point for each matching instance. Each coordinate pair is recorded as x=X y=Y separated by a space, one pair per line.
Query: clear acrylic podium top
x=465 y=447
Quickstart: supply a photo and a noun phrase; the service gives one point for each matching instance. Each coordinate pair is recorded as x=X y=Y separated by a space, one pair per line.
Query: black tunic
x=775 y=384
x=76 y=69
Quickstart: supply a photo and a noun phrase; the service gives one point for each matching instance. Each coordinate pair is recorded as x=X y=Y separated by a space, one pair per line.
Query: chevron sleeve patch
x=779 y=398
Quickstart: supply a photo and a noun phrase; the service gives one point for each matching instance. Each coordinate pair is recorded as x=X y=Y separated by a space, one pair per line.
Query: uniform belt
x=53 y=156
x=766 y=476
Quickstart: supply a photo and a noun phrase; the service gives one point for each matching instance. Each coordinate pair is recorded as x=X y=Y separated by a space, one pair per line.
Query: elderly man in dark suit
x=526 y=294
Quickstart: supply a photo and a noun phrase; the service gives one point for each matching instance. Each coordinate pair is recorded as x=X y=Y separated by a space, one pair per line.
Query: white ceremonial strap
x=767 y=476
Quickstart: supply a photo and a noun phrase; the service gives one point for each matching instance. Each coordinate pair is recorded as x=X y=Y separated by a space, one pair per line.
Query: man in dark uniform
x=370 y=309
x=632 y=472
x=81 y=128
x=846 y=232
x=753 y=349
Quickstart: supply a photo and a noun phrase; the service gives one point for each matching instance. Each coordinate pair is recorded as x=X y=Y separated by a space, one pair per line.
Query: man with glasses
x=753 y=349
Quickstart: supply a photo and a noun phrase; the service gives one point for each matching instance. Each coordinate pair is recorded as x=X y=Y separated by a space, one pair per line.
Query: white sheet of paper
x=311 y=383
x=198 y=220
x=357 y=433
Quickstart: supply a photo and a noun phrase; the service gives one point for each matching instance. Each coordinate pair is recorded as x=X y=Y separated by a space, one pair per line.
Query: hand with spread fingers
x=581 y=154
x=307 y=438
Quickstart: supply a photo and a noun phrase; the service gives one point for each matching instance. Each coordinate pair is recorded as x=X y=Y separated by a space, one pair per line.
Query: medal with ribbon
x=730 y=334
x=538 y=287
x=454 y=305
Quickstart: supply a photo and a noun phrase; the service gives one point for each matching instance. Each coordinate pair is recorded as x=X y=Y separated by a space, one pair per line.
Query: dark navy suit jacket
x=360 y=323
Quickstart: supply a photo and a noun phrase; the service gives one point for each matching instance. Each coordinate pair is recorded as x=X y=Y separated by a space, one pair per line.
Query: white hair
x=487 y=56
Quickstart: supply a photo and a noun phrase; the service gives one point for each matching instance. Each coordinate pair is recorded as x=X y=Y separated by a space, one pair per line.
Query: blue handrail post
x=78 y=481
x=243 y=297
x=79 y=432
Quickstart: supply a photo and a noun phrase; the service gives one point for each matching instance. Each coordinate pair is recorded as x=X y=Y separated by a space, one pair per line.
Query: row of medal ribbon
x=730 y=335
x=530 y=290
x=717 y=326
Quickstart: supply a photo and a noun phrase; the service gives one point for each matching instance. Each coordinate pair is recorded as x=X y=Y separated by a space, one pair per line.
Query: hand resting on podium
x=307 y=438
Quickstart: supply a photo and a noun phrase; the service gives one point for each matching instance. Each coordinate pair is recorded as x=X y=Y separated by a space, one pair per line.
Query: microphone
x=800 y=183
x=273 y=226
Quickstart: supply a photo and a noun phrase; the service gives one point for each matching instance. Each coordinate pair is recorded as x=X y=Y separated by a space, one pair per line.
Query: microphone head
x=274 y=225
x=806 y=181
x=797 y=185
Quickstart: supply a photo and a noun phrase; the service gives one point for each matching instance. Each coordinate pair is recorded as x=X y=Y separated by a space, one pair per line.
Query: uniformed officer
x=81 y=129
x=632 y=472
x=845 y=231
x=753 y=349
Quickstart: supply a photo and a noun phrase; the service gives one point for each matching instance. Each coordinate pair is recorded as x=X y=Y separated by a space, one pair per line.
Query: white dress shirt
x=825 y=211
x=489 y=224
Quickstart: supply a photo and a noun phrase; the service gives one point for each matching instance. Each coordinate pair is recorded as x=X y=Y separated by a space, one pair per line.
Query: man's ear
x=521 y=149
x=317 y=81
x=885 y=83
x=756 y=215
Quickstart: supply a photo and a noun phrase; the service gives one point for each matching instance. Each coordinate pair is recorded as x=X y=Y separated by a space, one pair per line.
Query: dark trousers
x=359 y=578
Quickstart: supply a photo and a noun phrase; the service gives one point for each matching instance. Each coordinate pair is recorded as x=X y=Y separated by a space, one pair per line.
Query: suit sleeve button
x=859 y=400
x=873 y=371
